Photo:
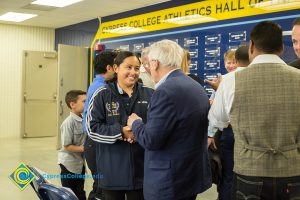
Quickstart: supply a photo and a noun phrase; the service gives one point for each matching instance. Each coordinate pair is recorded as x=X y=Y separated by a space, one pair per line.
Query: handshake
x=127 y=131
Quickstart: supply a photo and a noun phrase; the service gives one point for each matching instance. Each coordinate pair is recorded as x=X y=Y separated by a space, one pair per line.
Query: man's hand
x=211 y=143
x=132 y=118
x=214 y=83
x=127 y=134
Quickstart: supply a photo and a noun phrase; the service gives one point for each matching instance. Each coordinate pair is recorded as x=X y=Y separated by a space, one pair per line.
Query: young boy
x=70 y=157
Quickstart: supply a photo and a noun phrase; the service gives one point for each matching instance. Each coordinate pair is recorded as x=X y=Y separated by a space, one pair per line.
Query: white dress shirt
x=219 y=113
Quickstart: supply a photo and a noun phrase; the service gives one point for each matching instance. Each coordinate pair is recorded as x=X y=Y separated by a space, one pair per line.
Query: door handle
x=54 y=96
x=61 y=108
x=25 y=96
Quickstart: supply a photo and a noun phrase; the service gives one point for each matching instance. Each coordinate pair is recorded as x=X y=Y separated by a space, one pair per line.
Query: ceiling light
x=55 y=3
x=16 y=17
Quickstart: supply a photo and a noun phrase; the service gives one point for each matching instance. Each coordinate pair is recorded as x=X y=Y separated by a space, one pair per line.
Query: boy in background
x=70 y=157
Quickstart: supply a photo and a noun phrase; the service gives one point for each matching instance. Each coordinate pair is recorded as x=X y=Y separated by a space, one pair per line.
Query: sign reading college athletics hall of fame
x=212 y=52
x=191 y=41
x=138 y=47
x=213 y=39
x=211 y=64
x=237 y=36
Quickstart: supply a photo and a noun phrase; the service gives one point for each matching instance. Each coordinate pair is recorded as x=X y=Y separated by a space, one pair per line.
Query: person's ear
x=72 y=104
x=116 y=68
x=251 y=47
x=156 y=65
x=108 y=68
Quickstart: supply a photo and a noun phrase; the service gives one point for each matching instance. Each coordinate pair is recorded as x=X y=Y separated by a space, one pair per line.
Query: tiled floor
x=41 y=153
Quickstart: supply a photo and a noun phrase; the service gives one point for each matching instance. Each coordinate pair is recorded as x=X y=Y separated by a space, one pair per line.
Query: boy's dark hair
x=102 y=60
x=296 y=21
x=241 y=54
x=72 y=96
x=267 y=37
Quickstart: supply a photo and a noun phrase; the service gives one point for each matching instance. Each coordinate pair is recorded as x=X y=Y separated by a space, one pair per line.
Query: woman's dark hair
x=122 y=55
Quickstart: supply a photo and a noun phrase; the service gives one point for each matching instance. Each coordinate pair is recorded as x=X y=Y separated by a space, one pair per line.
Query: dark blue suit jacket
x=175 y=140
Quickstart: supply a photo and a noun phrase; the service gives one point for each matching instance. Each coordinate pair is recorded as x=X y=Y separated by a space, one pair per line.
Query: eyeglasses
x=152 y=61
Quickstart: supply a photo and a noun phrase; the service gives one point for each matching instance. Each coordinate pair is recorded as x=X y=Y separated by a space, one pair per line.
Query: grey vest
x=265 y=117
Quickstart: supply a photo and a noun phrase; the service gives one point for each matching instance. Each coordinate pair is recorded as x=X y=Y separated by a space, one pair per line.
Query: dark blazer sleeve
x=160 y=123
x=97 y=128
x=295 y=63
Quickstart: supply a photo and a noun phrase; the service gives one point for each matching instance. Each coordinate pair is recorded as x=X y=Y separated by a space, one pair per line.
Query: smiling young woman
x=120 y=161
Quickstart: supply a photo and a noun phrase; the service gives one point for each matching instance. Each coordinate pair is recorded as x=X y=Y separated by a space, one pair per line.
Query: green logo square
x=21 y=176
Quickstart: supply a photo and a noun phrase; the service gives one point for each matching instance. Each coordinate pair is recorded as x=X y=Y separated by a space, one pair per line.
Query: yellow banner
x=194 y=13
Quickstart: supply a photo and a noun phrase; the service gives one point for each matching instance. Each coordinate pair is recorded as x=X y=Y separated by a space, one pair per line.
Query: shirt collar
x=76 y=117
x=239 y=68
x=120 y=90
x=164 y=78
x=267 y=58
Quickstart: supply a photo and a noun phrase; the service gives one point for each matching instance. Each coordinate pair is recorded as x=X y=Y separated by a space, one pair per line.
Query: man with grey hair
x=144 y=69
x=175 y=135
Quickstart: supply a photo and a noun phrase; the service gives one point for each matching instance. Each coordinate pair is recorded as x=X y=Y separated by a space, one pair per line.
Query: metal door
x=72 y=75
x=40 y=94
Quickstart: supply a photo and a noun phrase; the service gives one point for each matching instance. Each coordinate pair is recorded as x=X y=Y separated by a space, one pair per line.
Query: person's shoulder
x=143 y=88
x=101 y=90
x=68 y=122
x=292 y=70
x=195 y=78
x=147 y=89
x=94 y=86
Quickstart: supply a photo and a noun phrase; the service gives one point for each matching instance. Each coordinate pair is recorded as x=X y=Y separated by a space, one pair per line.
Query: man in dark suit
x=175 y=135
x=296 y=42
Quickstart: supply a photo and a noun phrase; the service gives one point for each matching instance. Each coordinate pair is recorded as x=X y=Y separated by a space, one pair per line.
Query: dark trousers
x=90 y=157
x=266 y=188
x=120 y=194
x=226 y=142
x=75 y=184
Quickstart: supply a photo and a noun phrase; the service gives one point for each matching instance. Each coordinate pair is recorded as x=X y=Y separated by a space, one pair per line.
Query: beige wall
x=13 y=40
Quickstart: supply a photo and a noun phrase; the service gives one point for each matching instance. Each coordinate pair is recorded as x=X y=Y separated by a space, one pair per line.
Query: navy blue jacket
x=175 y=140
x=120 y=163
